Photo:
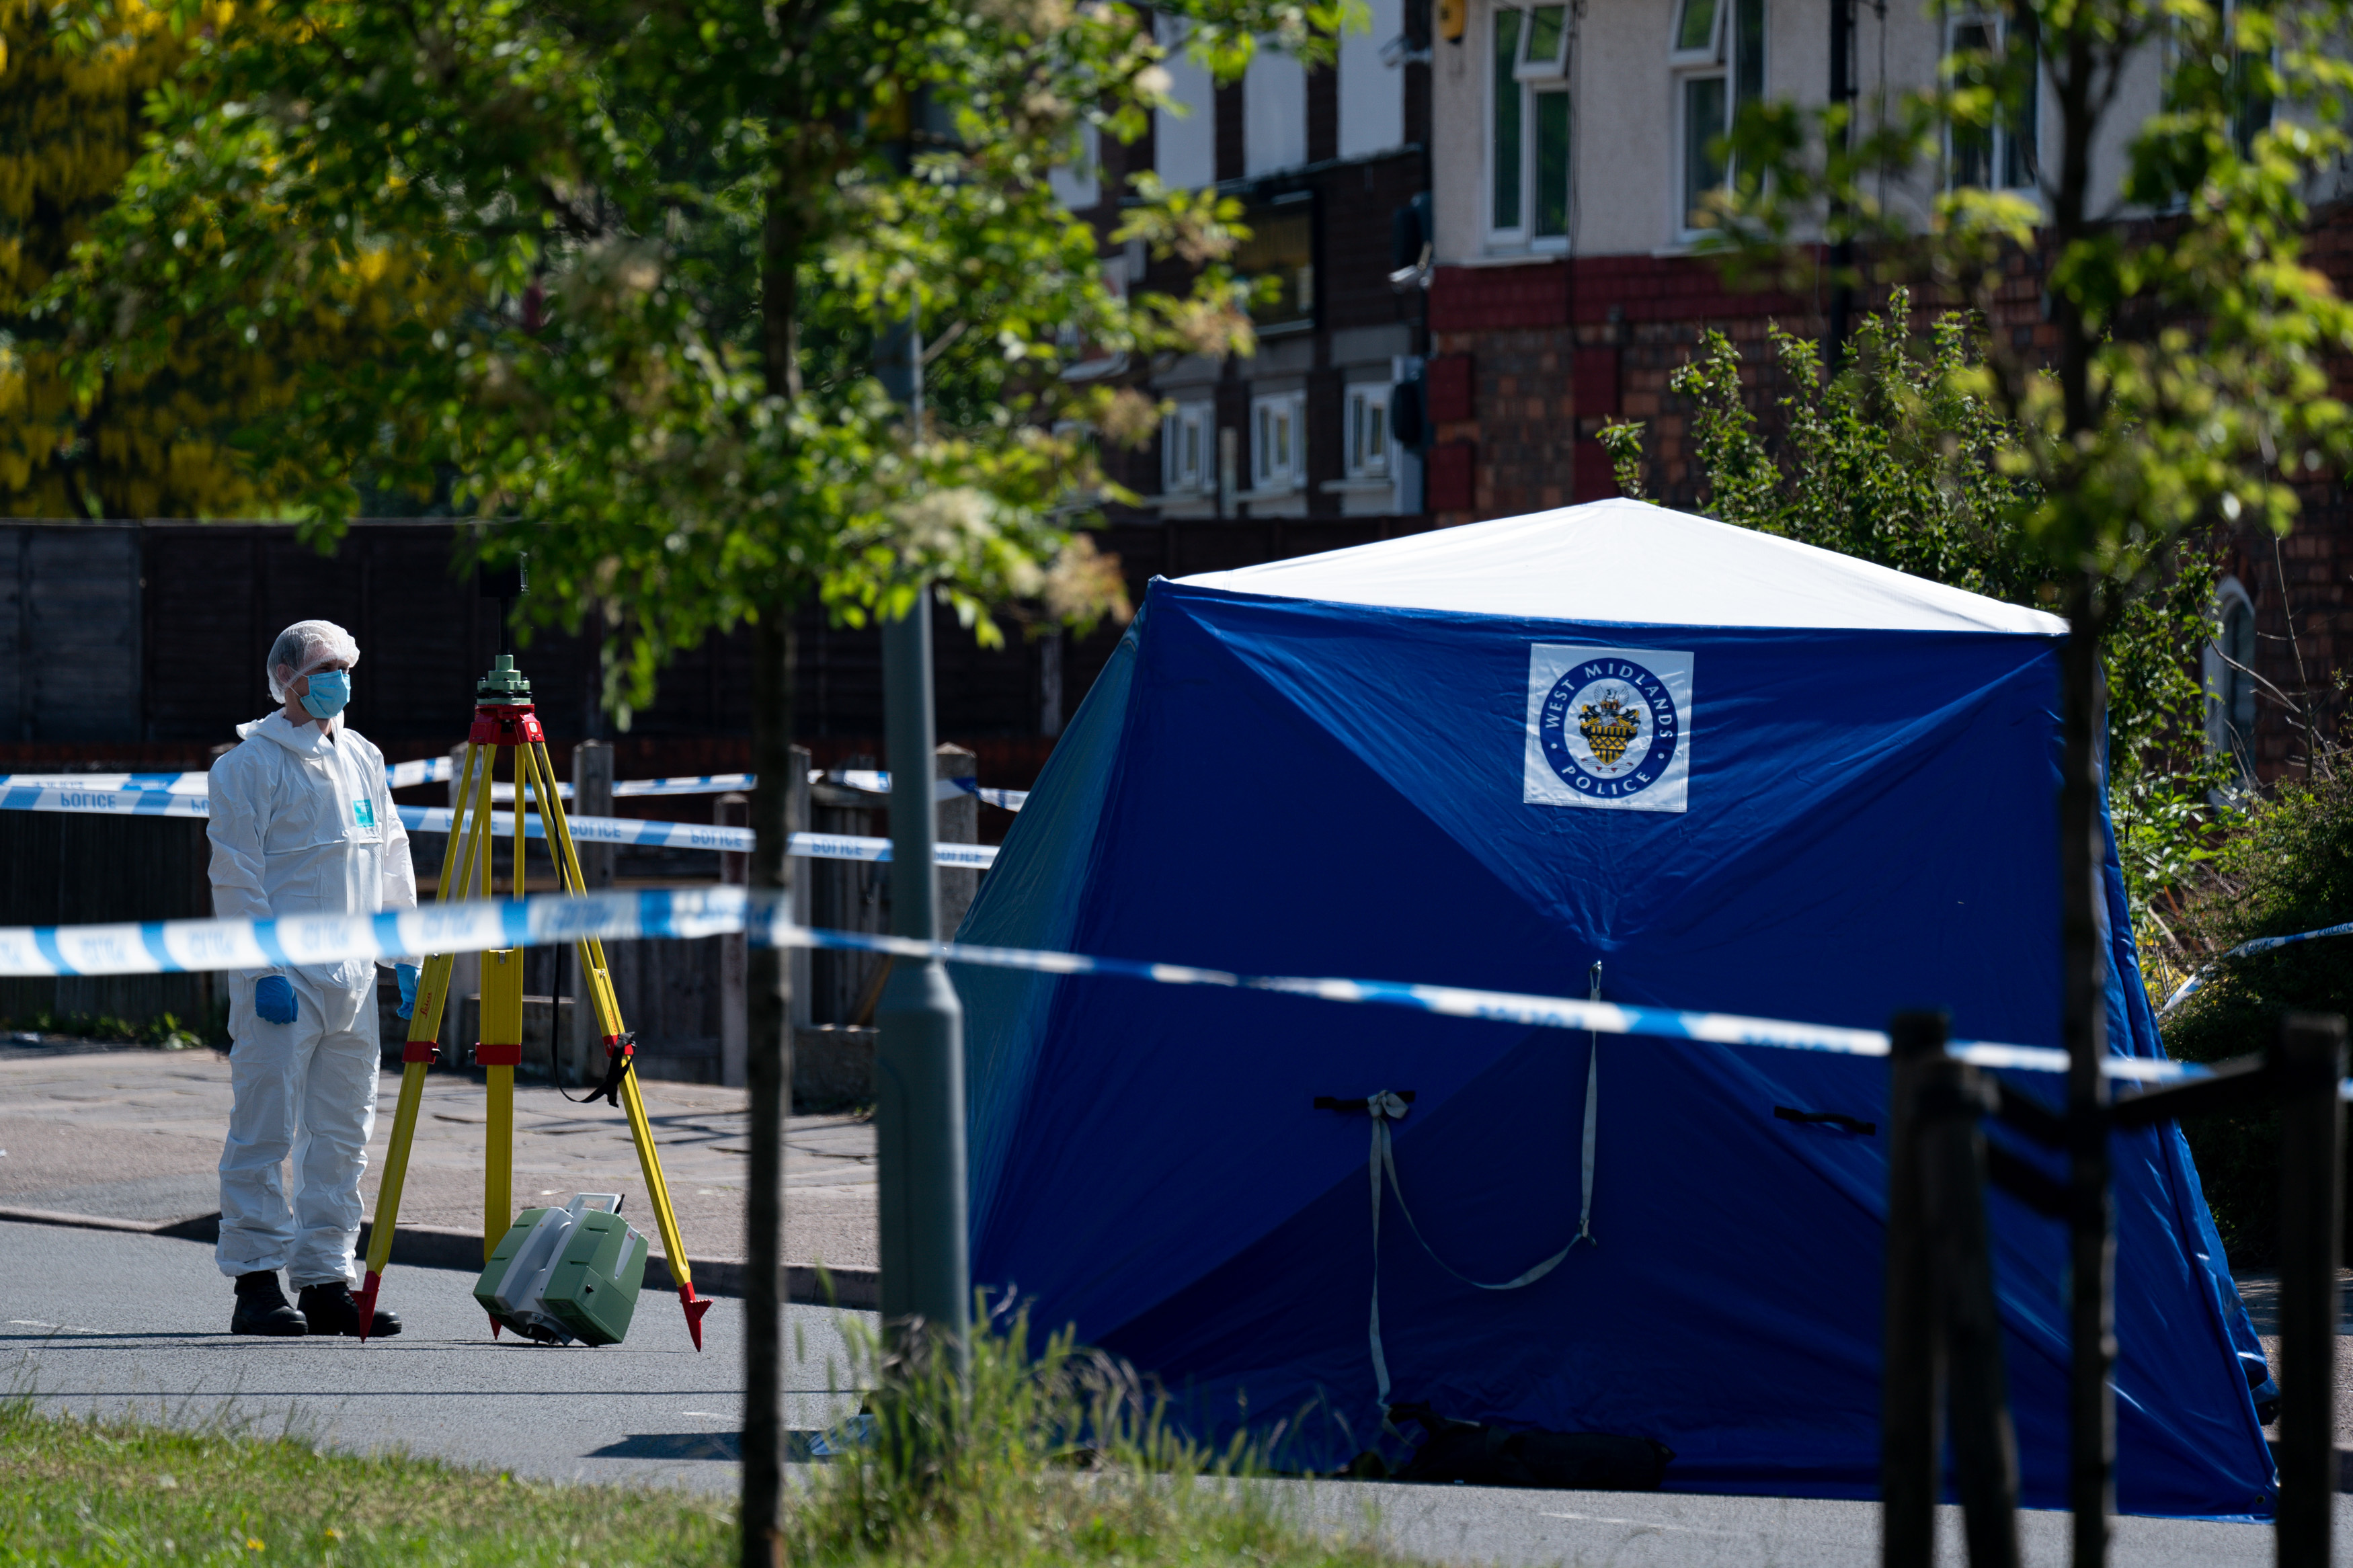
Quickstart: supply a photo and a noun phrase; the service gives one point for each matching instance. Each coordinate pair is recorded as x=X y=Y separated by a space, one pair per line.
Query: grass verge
x=115 y=1492
x=1059 y=1459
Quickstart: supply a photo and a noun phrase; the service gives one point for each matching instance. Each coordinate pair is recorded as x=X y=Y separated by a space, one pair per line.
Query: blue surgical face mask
x=330 y=690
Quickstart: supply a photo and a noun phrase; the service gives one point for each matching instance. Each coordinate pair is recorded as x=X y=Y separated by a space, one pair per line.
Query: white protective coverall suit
x=302 y=825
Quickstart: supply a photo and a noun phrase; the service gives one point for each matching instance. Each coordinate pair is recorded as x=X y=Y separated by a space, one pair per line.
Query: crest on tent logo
x=1608 y=728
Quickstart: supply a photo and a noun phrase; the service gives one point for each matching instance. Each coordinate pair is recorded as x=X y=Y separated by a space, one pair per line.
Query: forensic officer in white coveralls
x=302 y=823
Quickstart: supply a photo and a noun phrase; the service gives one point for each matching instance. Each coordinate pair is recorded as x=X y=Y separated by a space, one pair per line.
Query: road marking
x=62 y=1327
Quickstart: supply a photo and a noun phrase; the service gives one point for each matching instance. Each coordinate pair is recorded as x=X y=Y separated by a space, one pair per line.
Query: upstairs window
x=2251 y=99
x=1369 y=431
x=1529 y=126
x=1282 y=247
x=2231 y=680
x=1278 y=441
x=2003 y=156
x=1717 y=55
x=1184 y=436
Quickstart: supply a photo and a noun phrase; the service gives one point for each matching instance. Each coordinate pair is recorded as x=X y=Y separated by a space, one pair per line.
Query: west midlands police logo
x=1607 y=728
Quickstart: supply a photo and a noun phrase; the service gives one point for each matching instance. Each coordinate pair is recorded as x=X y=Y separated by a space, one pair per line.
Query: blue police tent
x=1738 y=773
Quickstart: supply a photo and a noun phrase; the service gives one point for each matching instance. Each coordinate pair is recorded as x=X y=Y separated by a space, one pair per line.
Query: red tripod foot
x=694 y=1310
x=364 y=1299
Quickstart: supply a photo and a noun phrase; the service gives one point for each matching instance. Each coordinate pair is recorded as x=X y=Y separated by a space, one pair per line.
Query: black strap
x=1328 y=1102
x=1839 y=1119
x=617 y=1062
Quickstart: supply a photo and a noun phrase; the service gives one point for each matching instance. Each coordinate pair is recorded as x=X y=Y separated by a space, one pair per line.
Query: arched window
x=2230 y=679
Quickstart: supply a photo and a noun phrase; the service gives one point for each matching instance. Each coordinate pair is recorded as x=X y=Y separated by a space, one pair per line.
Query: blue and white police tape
x=2196 y=982
x=584 y=829
x=699 y=783
x=425 y=771
x=438 y=770
x=869 y=781
x=109 y=801
x=698 y=836
x=174 y=946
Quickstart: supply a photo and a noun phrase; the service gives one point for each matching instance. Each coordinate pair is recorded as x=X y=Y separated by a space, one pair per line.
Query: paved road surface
x=136 y=1134
x=113 y=1321
x=104 y=1321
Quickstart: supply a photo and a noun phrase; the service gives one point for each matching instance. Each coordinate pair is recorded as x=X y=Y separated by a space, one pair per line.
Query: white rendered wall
x=1627 y=188
x=1274 y=114
x=1372 y=95
x=1185 y=147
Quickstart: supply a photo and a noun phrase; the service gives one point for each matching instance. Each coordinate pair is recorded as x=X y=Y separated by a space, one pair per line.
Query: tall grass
x=1061 y=1456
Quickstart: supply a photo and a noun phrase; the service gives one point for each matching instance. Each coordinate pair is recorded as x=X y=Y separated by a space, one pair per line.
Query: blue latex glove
x=406 y=975
x=273 y=998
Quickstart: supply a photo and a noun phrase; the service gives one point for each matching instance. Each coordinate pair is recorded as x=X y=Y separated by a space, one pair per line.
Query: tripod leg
x=497 y=1053
x=608 y=1016
x=416 y=1053
x=387 y=1200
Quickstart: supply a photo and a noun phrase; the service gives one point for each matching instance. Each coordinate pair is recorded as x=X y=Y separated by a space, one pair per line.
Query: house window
x=2250 y=100
x=1184 y=449
x=1528 y=187
x=1282 y=247
x=1369 y=431
x=2231 y=680
x=1078 y=184
x=1718 y=58
x=1278 y=441
x=2001 y=156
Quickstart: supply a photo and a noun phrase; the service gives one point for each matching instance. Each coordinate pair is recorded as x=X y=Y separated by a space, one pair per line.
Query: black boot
x=262 y=1308
x=332 y=1310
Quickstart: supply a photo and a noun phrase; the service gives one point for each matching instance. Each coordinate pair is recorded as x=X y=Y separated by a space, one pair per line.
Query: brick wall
x=1553 y=349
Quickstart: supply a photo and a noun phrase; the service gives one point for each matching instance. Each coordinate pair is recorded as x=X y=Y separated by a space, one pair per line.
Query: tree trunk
x=768 y=1073
x=768 y=1045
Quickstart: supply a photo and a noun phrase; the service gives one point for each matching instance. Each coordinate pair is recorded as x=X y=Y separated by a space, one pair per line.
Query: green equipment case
x=566 y=1274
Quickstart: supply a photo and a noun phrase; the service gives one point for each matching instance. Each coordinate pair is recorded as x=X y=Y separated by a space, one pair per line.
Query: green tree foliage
x=153 y=435
x=674 y=227
x=2290 y=869
x=1901 y=460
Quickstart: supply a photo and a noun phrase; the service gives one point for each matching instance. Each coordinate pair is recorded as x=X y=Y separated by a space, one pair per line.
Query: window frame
x=1720 y=61
x=1366 y=407
x=1267 y=476
x=1200 y=419
x=2229 y=689
x=1555 y=68
x=1531 y=86
x=1709 y=54
x=2002 y=140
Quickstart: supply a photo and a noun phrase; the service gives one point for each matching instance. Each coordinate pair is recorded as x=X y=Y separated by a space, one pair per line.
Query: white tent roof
x=1628 y=561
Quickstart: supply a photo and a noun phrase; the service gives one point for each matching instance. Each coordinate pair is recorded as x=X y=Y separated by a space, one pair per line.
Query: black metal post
x=2310 y=1053
x=1911 y=1419
x=1953 y=1099
x=1842 y=95
x=2084 y=1018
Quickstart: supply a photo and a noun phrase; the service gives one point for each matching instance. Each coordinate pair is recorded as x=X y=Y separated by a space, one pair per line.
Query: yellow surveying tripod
x=504 y=721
